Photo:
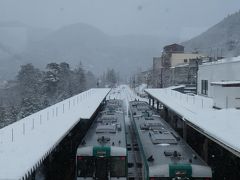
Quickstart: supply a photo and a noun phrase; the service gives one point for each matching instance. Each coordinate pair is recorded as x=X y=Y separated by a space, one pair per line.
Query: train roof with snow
x=164 y=152
x=108 y=129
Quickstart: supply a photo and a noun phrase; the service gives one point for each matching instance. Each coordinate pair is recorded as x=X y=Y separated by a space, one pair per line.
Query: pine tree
x=79 y=79
x=91 y=80
x=50 y=81
x=30 y=89
x=64 y=89
x=29 y=80
x=2 y=116
x=111 y=77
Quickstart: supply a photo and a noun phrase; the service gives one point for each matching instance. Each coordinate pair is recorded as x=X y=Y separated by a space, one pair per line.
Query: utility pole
x=197 y=64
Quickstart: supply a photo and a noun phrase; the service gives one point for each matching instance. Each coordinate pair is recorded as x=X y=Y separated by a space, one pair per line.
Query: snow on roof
x=222 y=125
x=221 y=61
x=176 y=87
x=226 y=83
x=25 y=143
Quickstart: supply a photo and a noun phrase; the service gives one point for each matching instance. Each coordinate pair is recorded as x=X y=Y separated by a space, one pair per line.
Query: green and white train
x=165 y=155
x=102 y=155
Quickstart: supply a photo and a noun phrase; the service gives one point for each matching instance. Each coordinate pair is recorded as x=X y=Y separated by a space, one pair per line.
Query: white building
x=220 y=80
x=183 y=58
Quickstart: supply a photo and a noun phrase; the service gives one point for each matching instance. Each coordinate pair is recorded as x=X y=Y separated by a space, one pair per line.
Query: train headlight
x=79 y=158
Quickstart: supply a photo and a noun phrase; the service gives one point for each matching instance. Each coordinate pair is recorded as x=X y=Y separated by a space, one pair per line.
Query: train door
x=102 y=168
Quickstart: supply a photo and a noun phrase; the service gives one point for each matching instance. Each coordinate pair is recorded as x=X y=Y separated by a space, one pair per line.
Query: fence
x=31 y=123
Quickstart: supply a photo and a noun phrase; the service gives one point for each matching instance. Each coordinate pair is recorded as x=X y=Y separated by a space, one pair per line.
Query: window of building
x=185 y=60
x=204 y=86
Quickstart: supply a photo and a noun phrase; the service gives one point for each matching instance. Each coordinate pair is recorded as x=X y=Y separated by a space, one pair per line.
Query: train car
x=165 y=155
x=102 y=154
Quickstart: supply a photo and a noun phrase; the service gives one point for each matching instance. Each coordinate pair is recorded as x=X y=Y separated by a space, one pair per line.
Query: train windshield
x=118 y=166
x=101 y=168
x=85 y=166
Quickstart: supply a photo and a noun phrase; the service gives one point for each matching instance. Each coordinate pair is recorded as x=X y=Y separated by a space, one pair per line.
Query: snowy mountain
x=15 y=38
x=221 y=39
x=95 y=49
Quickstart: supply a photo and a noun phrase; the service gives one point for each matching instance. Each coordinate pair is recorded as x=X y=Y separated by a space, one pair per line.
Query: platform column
x=157 y=105
x=165 y=110
x=205 y=150
x=153 y=102
x=171 y=120
x=184 y=130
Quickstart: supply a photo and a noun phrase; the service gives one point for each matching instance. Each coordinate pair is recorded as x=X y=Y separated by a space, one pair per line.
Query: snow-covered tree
x=29 y=105
x=50 y=81
x=111 y=77
x=79 y=79
x=91 y=80
x=35 y=89
x=2 y=116
x=29 y=80
x=30 y=89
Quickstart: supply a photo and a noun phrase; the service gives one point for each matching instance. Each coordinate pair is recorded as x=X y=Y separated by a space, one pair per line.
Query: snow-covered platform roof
x=222 y=61
x=227 y=83
x=222 y=126
x=26 y=143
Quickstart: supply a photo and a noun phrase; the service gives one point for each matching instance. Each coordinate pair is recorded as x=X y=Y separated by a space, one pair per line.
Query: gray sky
x=180 y=18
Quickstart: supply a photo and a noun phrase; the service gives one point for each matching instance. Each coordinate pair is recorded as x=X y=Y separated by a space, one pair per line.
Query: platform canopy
x=27 y=142
x=221 y=126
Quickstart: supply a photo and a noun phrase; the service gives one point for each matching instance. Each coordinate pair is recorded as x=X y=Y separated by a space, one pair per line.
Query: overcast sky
x=180 y=18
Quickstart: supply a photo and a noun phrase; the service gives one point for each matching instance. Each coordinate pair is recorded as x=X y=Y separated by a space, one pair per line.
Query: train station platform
x=26 y=143
x=221 y=126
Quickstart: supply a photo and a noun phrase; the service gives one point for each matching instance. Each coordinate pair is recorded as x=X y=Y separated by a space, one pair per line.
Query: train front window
x=101 y=168
x=118 y=166
x=85 y=166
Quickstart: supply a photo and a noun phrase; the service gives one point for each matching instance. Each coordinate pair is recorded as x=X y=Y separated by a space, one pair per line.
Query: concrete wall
x=225 y=71
x=184 y=75
x=175 y=76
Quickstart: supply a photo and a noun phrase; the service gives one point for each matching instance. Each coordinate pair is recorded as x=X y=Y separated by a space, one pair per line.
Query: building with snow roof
x=175 y=67
x=220 y=80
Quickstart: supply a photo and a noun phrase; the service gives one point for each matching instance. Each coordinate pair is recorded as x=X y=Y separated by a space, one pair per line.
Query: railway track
x=135 y=163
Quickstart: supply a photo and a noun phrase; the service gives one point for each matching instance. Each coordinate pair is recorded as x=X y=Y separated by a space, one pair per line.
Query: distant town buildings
x=174 y=48
x=175 y=67
x=145 y=77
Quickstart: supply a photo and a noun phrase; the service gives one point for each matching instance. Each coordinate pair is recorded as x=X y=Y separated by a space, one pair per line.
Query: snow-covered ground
x=140 y=90
x=25 y=144
x=125 y=93
x=223 y=125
